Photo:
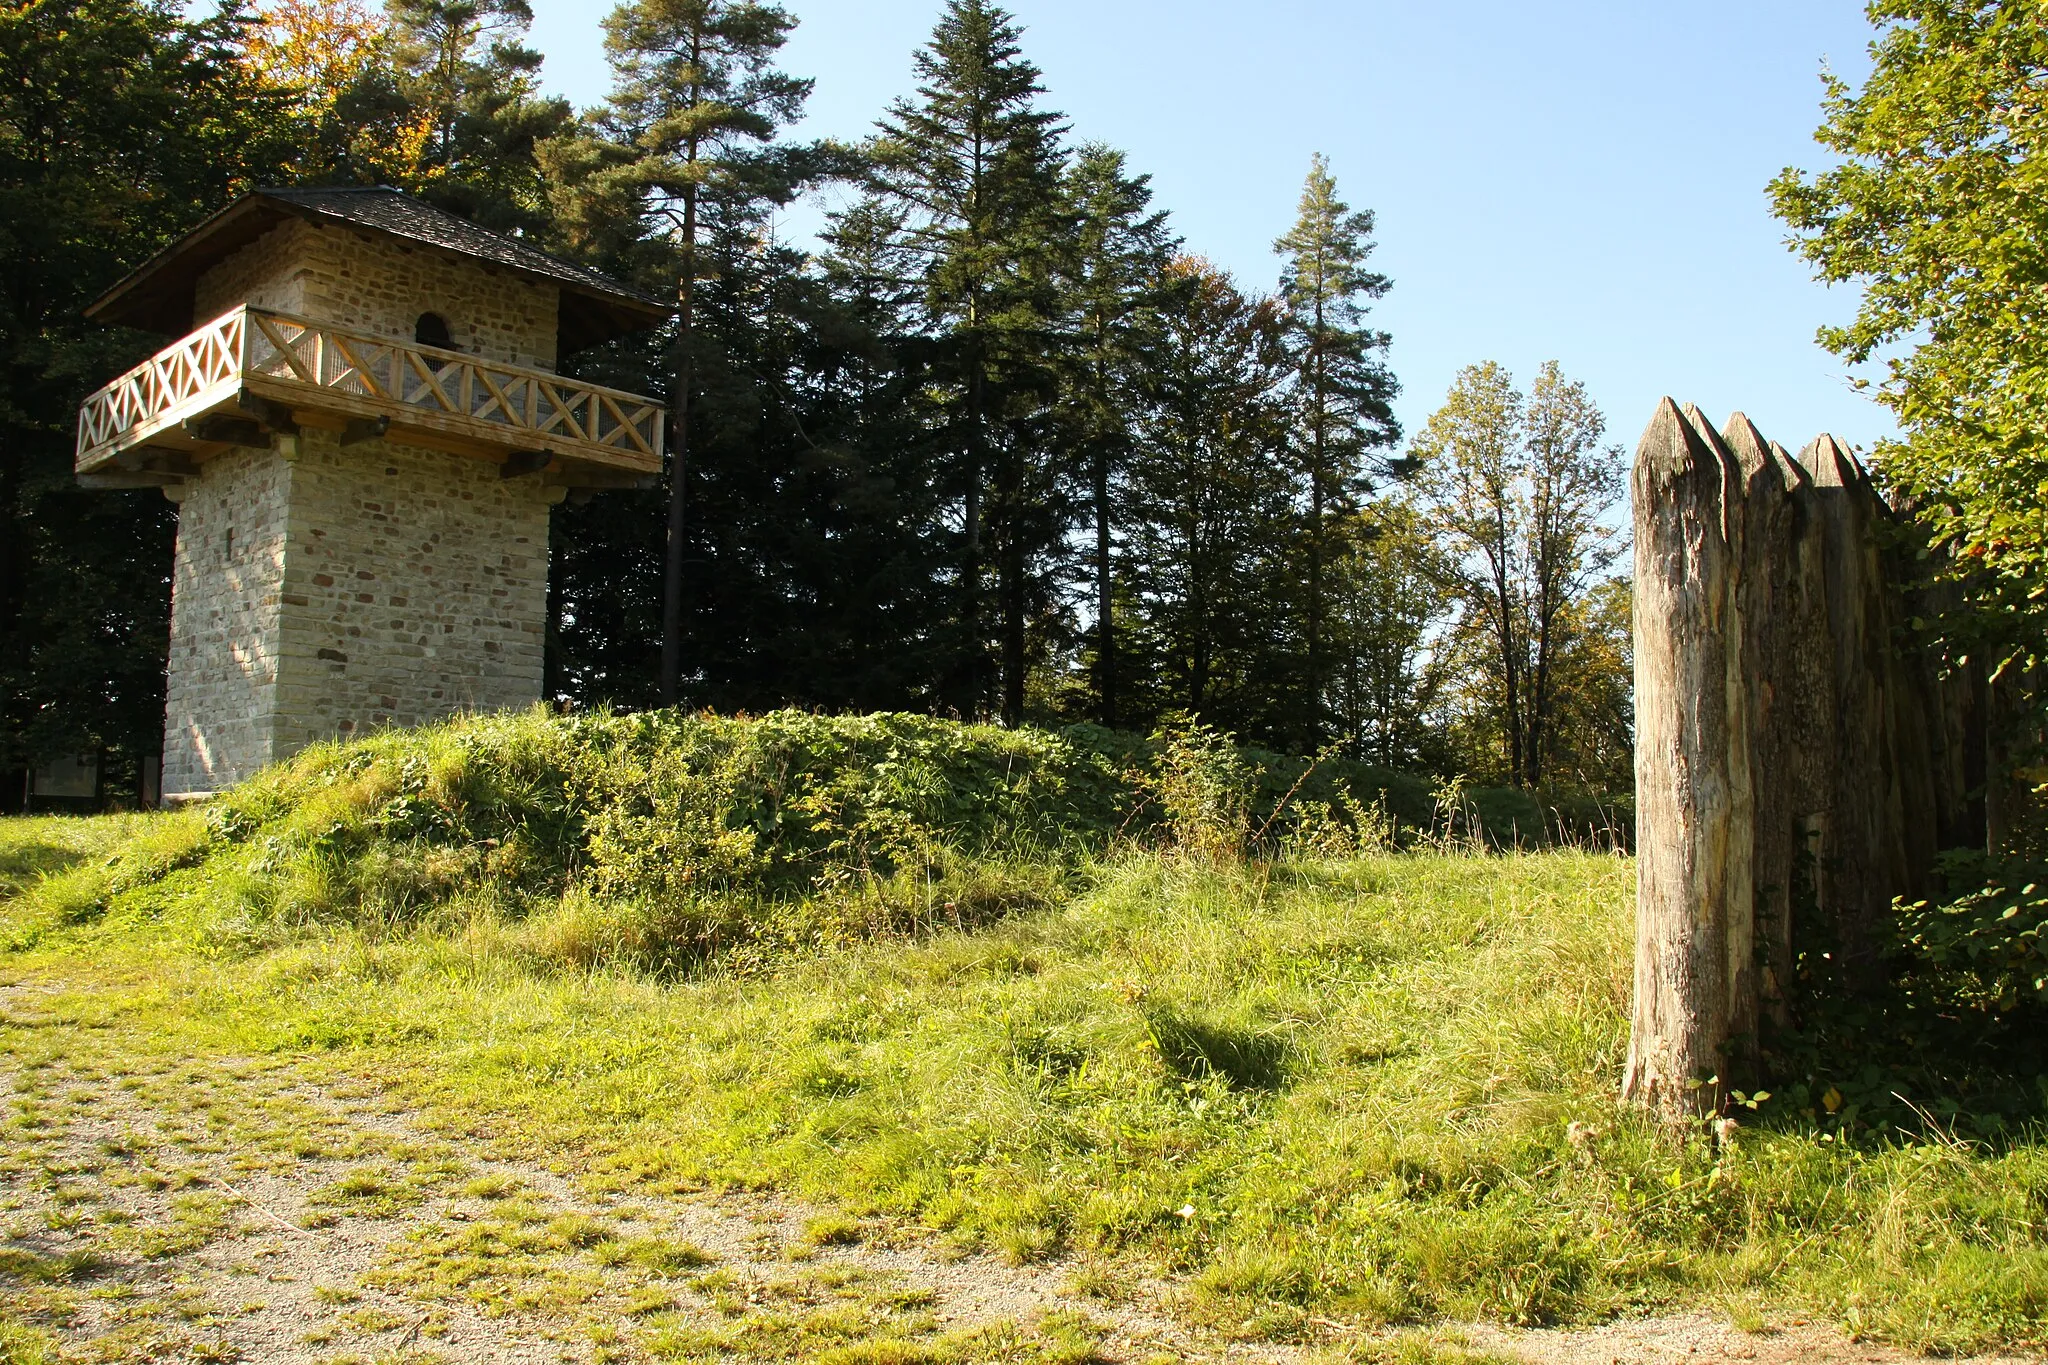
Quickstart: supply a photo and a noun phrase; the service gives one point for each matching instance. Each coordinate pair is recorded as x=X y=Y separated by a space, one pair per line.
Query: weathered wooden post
x=1695 y=946
x=1800 y=759
x=1862 y=849
x=1777 y=638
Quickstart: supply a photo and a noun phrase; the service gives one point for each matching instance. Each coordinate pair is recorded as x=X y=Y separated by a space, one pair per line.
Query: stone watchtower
x=364 y=433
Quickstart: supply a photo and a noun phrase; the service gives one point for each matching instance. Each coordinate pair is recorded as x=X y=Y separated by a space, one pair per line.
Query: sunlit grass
x=1375 y=1089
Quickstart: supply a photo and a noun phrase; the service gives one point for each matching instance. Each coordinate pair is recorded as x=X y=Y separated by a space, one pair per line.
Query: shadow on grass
x=21 y=864
x=1247 y=1059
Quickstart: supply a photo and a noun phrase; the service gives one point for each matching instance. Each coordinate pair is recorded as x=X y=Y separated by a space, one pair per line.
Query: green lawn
x=1375 y=1090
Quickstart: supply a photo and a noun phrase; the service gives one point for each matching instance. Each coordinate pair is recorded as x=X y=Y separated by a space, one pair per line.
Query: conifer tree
x=694 y=114
x=1204 y=554
x=470 y=88
x=121 y=125
x=1117 y=283
x=1343 y=390
x=973 y=164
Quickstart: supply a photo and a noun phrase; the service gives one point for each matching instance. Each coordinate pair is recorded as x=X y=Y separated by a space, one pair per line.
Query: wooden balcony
x=252 y=373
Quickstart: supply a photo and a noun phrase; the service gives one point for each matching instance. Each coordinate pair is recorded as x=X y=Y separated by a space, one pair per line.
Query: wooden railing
x=312 y=366
x=203 y=369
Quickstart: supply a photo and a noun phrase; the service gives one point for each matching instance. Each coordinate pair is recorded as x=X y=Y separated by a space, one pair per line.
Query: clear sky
x=1580 y=181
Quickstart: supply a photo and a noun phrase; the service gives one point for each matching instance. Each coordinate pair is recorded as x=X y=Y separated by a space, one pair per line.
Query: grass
x=1375 y=1089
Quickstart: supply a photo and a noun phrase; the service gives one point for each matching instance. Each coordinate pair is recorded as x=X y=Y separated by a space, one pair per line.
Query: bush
x=1950 y=1043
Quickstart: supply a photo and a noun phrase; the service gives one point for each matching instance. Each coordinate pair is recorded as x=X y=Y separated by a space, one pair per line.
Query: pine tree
x=1117 y=283
x=1204 y=553
x=472 y=87
x=973 y=165
x=696 y=108
x=1343 y=390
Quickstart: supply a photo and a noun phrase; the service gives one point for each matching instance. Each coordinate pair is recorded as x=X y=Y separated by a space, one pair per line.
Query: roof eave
x=107 y=307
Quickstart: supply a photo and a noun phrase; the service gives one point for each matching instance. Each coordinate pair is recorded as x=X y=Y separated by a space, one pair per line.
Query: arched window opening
x=432 y=330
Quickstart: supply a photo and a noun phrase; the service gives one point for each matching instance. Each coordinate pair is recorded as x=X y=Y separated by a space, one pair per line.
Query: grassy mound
x=1345 y=1082
x=661 y=838
x=665 y=840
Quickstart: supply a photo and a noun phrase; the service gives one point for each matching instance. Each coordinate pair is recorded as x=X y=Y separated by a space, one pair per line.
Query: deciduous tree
x=1934 y=212
x=1517 y=487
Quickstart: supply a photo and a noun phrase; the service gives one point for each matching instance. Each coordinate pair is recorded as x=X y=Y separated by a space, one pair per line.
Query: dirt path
x=230 y=1209
x=221 y=1210
x=1700 y=1339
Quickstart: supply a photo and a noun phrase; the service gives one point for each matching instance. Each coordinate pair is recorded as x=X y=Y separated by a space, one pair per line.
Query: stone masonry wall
x=415 y=587
x=381 y=286
x=226 y=583
x=270 y=272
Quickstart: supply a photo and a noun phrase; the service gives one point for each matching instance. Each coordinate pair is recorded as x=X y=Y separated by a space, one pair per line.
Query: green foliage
x=1516 y=489
x=970 y=172
x=1204 y=786
x=1932 y=212
x=1210 y=516
x=120 y=124
x=1341 y=403
x=674 y=841
x=1951 y=1044
x=657 y=838
x=1989 y=940
x=1120 y=289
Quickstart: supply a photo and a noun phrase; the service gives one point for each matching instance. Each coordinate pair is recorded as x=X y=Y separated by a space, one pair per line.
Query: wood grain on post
x=1769 y=593
x=1861 y=852
x=1695 y=954
x=1806 y=766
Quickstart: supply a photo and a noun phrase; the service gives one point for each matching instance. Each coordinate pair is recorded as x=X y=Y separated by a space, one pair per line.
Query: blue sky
x=1575 y=181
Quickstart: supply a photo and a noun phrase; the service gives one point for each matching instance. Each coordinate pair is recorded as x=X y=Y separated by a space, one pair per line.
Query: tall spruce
x=1118 y=282
x=1343 y=394
x=974 y=165
x=695 y=110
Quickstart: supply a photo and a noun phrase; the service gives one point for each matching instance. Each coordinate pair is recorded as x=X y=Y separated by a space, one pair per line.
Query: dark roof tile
x=391 y=211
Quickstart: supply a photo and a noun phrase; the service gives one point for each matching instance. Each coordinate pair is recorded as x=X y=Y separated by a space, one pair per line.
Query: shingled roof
x=158 y=297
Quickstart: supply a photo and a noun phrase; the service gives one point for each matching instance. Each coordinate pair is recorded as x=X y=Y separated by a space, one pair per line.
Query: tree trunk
x=1010 y=575
x=1695 y=996
x=973 y=696
x=679 y=461
x=1105 y=597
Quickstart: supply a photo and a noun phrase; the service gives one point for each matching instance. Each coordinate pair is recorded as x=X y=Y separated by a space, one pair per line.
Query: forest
x=999 y=444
